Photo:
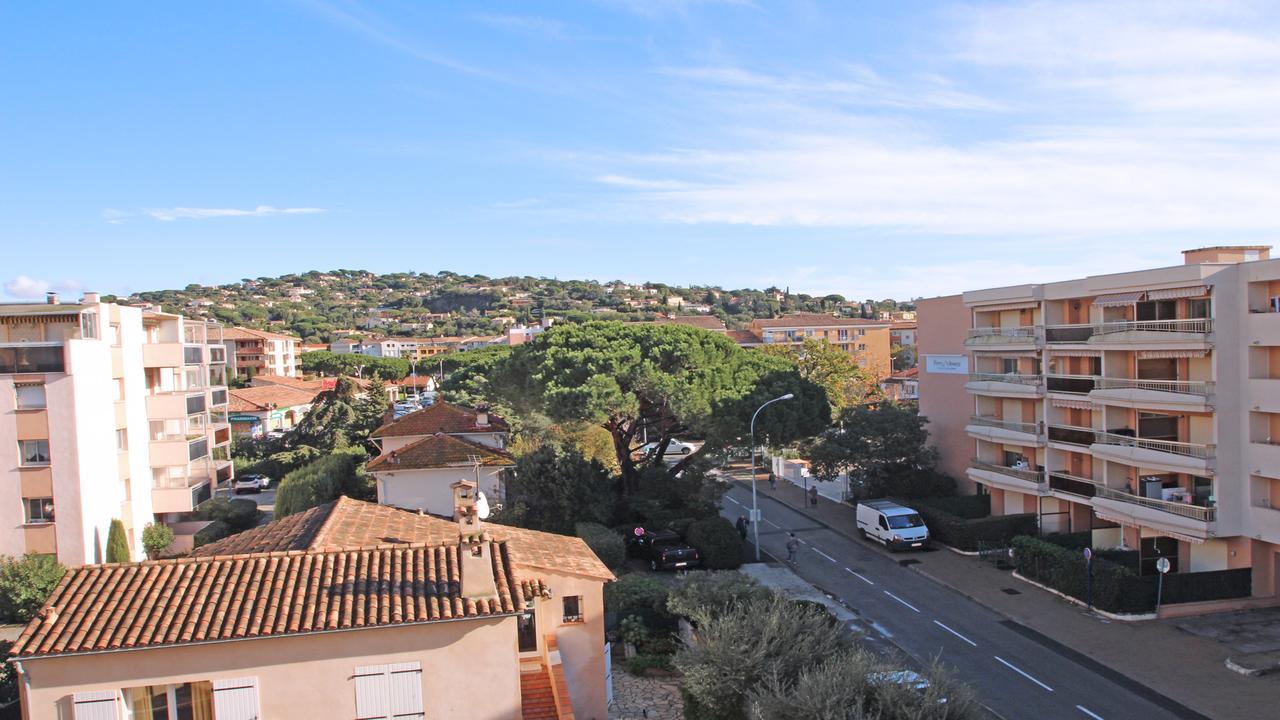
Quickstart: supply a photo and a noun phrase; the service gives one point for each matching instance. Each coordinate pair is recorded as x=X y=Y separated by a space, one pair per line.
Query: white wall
x=429 y=491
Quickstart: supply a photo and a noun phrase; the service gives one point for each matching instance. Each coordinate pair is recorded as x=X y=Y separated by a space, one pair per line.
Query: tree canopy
x=553 y=489
x=884 y=447
x=819 y=361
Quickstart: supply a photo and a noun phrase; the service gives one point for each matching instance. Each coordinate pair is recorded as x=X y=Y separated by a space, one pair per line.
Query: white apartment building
x=106 y=412
x=255 y=352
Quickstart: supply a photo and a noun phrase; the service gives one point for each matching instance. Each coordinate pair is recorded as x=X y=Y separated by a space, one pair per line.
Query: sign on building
x=947 y=364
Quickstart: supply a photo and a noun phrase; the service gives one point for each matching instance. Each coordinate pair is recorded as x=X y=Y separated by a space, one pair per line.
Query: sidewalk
x=1186 y=668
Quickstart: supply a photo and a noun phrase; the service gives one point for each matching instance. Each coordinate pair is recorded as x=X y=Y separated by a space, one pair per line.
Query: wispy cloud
x=115 y=217
x=652 y=8
x=25 y=287
x=525 y=24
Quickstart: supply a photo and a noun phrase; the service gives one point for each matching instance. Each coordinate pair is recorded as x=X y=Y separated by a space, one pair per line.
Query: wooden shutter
x=389 y=692
x=97 y=705
x=406 y=691
x=236 y=699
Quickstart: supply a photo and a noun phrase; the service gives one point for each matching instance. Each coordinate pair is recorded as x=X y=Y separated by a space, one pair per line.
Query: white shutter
x=97 y=705
x=406 y=691
x=236 y=699
x=373 y=693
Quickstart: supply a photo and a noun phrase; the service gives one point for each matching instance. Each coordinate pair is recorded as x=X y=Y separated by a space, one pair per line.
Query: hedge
x=717 y=541
x=1115 y=588
x=970 y=533
x=605 y=543
x=969 y=507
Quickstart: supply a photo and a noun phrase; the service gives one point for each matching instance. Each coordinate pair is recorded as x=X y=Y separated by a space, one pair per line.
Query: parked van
x=898 y=527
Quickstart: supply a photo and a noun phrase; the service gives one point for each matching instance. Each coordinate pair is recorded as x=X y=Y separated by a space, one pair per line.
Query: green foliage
x=972 y=534
x=468 y=374
x=714 y=589
x=8 y=680
x=322 y=481
x=639 y=594
x=633 y=630
x=239 y=514
x=156 y=538
x=212 y=532
x=552 y=489
x=640 y=665
x=717 y=542
x=817 y=360
x=884 y=447
x=969 y=507
x=671 y=502
x=339 y=418
x=605 y=543
x=117 y=544
x=335 y=364
x=1115 y=588
x=25 y=583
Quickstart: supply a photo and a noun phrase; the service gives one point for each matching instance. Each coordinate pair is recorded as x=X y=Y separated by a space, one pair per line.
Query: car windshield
x=897 y=522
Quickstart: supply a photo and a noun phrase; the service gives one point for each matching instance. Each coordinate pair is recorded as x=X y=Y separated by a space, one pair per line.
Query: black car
x=664 y=550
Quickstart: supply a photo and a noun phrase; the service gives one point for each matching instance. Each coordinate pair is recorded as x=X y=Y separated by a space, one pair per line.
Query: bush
x=640 y=595
x=25 y=583
x=1070 y=541
x=969 y=533
x=969 y=507
x=712 y=589
x=642 y=664
x=605 y=543
x=1115 y=588
x=323 y=481
x=717 y=542
x=156 y=538
x=239 y=514
x=214 y=531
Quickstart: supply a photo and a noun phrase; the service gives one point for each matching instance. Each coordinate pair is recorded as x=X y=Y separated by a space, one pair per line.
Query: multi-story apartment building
x=1142 y=407
x=252 y=352
x=106 y=412
x=867 y=341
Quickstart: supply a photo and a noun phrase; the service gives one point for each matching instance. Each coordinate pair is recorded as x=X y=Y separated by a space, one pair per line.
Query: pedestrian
x=773 y=481
x=793 y=545
x=813 y=495
x=742 y=526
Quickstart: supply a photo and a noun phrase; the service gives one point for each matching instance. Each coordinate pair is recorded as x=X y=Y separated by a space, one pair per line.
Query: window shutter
x=373 y=693
x=236 y=699
x=406 y=691
x=96 y=705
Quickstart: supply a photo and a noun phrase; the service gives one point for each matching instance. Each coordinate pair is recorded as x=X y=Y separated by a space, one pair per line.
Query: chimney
x=90 y=298
x=482 y=416
x=474 y=546
x=51 y=298
x=49 y=615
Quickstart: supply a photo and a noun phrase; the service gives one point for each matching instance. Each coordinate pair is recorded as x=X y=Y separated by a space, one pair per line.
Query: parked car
x=250 y=483
x=664 y=550
x=676 y=450
x=906 y=678
x=898 y=527
x=276 y=435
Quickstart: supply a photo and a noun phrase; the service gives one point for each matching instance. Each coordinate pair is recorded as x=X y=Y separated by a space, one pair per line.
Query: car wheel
x=653 y=565
x=862 y=533
x=684 y=451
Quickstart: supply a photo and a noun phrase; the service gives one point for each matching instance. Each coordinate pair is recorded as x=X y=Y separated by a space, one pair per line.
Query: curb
x=1247 y=672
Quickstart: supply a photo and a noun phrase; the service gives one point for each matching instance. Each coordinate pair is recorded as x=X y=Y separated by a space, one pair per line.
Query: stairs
x=537 y=702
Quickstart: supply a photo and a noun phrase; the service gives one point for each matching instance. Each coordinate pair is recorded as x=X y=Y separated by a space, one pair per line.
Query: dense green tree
x=703 y=590
x=25 y=583
x=117 y=544
x=884 y=447
x=333 y=420
x=156 y=539
x=553 y=489
x=322 y=481
x=819 y=361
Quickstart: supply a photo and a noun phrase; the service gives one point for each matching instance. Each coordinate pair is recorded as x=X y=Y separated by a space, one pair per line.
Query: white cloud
x=188 y=213
x=26 y=288
x=525 y=24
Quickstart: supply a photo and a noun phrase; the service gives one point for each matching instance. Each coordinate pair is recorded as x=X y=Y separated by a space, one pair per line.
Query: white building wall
x=429 y=491
x=82 y=450
x=138 y=428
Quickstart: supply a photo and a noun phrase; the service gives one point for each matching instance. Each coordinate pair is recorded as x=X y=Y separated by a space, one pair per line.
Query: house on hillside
x=346 y=610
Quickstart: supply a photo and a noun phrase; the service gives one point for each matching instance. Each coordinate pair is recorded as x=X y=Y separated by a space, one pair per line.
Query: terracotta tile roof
x=440 y=417
x=903 y=325
x=263 y=397
x=744 y=337
x=316 y=384
x=437 y=451
x=191 y=600
x=908 y=374
x=813 y=320
x=293 y=532
x=243 y=333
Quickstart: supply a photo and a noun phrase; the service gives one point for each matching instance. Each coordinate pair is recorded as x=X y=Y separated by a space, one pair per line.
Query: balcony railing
x=1072 y=484
x=198 y=449
x=1068 y=333
x=1195 y=450
x=1006 y=378
x=1022 y=427
x=32 y=358
x=1032 y=476
x=1077 y=384
x=1202 y=388
x=1195 y=512
x=1071 y=434
x=1021 y=334
x=1186 y=325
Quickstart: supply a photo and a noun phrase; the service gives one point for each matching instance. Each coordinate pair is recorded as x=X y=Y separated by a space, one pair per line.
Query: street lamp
x=755 y=508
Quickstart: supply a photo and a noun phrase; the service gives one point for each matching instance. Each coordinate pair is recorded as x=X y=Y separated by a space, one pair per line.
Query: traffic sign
x=1163 y=565
x=1088 y=555
x=639 y=532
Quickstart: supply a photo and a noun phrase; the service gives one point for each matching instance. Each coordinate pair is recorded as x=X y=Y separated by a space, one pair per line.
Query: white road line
x=1089 y=712
x=880 y=629
x=904 y=602
x=859 y=576
x=1007 y=664
x=735 y=502
x=953 y=632
x=815 y=549
x=774 y=524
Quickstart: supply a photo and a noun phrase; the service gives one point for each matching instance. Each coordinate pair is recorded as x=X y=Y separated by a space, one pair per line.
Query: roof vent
x=51 y=298
x=89 y=298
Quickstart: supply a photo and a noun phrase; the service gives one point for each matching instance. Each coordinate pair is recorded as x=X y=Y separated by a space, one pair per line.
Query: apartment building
x=867 y=341
x=252 y=352
x=1142 y=407
x=109 y=412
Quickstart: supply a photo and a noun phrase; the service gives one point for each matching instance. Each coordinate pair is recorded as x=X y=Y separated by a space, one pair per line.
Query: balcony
x=162 y=354
x=1071 y=435
x=180 y=494
x=1070 y=384
x=1007 y=478
x=1006 y=385
x=1062 y=483
x=218 y=396
x=17 y=358
x=1170 y=455
x=221 y=433
x=1263 y=394
x=193 y=354
x=1264 y=459
x=176 y=404
x=1182 y=518
x=1004 y=431
x=169 y=451
x=1156 y=394
x=1068 y=333
x=1192 y=330
x=1025 y=337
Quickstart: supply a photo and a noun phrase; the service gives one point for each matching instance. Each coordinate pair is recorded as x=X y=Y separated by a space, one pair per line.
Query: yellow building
x=867 y=341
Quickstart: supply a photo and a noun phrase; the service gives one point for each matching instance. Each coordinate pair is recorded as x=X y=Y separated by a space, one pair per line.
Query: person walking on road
x=773 y=482
x=813 y=495
x=793 y=546
x=742 y=526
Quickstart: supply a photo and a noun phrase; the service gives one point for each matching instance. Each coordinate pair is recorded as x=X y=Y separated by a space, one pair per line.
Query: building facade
x=253 y=352
x=867 y=341
x=110 y=412
x=1141 y=407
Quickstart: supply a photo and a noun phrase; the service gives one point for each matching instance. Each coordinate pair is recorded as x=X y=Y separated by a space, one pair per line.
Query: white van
x=898 y=527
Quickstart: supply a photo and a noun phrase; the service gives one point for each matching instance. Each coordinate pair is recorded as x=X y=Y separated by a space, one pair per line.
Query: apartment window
x=1198 y=308
x=122 y=440
x=1009 y=366
x=113 y=334
x=389 y=692
x=843 y=335
x=573 y=609
x=861 y=332
x=188 y=701
x=118 y=384
x=31 y=397
x=38 y=510
x=862 y=346
x=33 y=452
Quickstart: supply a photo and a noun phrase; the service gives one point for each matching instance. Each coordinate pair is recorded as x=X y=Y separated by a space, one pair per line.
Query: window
x=389 y=692
x=1009 y=366
x=31 y=397
x=122 y=440
x=118 y=384
x=843 y=335
x=573 y=609
x=38 y=510
x=1198 y=308
x=527 y=629
x=188 y=701
x=34 y=452
x=862 y=346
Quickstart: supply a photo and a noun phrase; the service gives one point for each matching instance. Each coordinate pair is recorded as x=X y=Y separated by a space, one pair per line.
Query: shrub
x=322 y=481
x=642 y=664
x=717 y=542
x=641 y=595
x=117 y=545
x=969 y=534
x=712 y=589
x=605 y=543
x=215 y=530
x=1115 y=588
x=1070 y=541
x=239 y=514
x=156 y=538
x=25 y=583
x=969 y=507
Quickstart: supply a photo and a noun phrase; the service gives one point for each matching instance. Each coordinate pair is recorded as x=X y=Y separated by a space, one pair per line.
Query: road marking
x=1089 y=712
x=859 y=576
x=1009 y=665
x=735 y=502
x=904 y=602
x=953 y=632
x=774 y=524
x=880 y=629
x=815 y=549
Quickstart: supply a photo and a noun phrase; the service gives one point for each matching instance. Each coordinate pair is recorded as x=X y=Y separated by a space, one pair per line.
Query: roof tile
x=437 y=451
x=440 y=417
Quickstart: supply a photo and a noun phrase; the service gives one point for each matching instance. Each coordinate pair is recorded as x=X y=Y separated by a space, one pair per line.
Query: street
x=1015 y=673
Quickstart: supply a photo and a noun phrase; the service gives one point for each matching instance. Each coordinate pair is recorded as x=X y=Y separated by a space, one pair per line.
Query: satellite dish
x=482 y=506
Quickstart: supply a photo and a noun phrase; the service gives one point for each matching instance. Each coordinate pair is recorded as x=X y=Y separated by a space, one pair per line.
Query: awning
x=1146 y=530
x=1118 y=299
x=1175 y=293
x=1072 y=404
x=1168 y=354
x=1007 y=306
x=1075 y=353
x=1008 y=353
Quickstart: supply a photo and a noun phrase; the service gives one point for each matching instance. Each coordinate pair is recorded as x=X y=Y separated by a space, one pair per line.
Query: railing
x=1033 y=476
x=1195 y=450
x=980 y=335
x=1186 y=325
x=1202 y=388
x=1071 y=434
x=1074 y=485
x=1022 y=427
x=198 y=449
x=1078 y=384
x=1006 y=378
x=1068 y=333
x=1195 y=512
x=196 y=404
x=32 y=358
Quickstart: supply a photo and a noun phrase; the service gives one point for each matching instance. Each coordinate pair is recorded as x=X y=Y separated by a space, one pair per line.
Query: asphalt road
x=1016 y=674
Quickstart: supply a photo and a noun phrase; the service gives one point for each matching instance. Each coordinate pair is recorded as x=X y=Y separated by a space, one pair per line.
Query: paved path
x=1015 y=673
x=637 y=698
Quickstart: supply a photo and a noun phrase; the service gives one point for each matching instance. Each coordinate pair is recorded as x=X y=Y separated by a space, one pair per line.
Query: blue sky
x=870 y=149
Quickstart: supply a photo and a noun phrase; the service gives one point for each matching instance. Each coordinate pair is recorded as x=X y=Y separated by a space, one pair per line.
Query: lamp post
x=755 y=508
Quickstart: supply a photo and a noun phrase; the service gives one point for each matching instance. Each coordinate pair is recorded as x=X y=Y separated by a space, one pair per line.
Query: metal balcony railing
x=1006 y=378
x=1077 y=384
x=1186 y=325
x=1203 y=388
x=1068 y=333
x=1195 y=450
x=1027 y=475
x=32 y=358
x=1071 y=434
x=1195 y=512
x=1022 y=427
x=993 y=335
x=1073 y=484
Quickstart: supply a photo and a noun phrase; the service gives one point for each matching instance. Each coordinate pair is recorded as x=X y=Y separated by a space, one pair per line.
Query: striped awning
x=1007 y=306
x=1076 y=353
x=1118 y=299
x=1008 y=353
x=1175 y=293
x=1072 y=404
x=1168 y=354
